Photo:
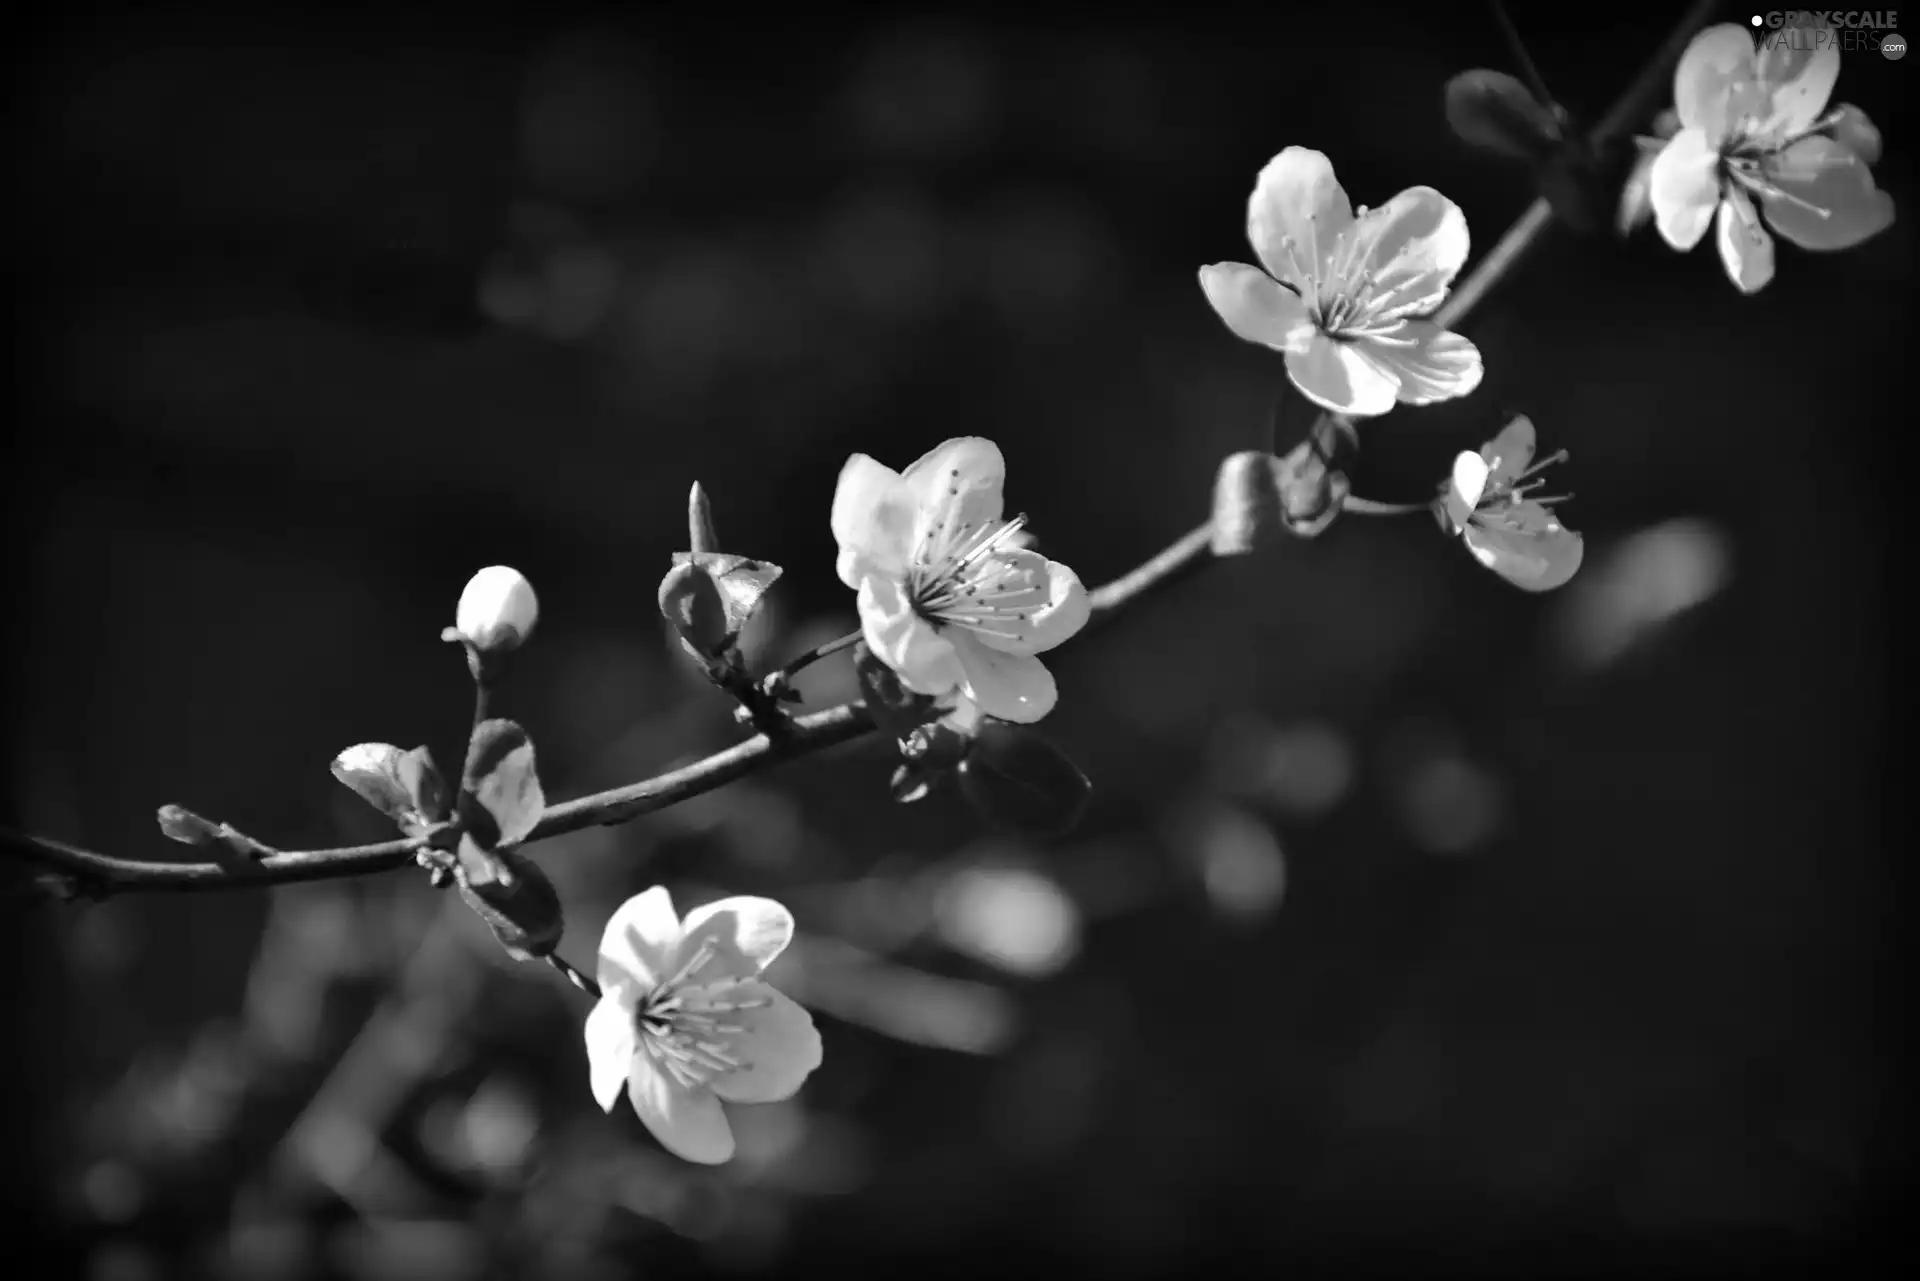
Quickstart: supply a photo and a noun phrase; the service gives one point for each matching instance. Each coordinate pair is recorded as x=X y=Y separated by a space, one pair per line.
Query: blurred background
x=1418 y=922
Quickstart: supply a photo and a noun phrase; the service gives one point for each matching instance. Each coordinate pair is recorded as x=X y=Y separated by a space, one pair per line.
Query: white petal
x=1511 y=452
x=1297 y=199
x=1534 y=551
x=1834 y=203
x=1067 y=609
x=1746 y=250
x=1469 y=482
x=688 y=1122
x=873 y=520
x=1719 y=57
x=497 y=606
x=1417 y=244
x=1429 y=363
x=1257 y=307
x=1684 y=186
x=779 y=1048
x=611 y=1041
x=745 y=935
x=638 y=945
x=1798 y=75
x=1013 y=687
x=904 y=641
x=957 y=485
x=1335 y=376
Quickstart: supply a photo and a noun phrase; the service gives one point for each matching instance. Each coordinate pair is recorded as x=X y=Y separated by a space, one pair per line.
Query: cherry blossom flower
x=685 y=1021
x=949 y=599
x=1752 y=128
x=1488 y=503
x=1340 y=293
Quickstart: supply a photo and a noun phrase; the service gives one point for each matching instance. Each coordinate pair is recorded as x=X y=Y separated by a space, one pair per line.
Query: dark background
x=1418 y=923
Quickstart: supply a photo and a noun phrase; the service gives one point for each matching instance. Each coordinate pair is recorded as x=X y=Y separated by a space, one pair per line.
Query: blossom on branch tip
x=1342 y=296
x=1754 y=127
x=685 y=1021
x=948 y=599
x=497 y=610
x=1488 y=503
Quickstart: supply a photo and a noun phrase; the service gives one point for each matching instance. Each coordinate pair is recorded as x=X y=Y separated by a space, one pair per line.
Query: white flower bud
x=498 y=609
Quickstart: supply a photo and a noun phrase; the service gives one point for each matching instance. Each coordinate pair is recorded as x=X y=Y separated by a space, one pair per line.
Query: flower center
x=688 y=1028
x=1345 y=299
x=969 y=575
x=1749 y=158
x=1498 y=499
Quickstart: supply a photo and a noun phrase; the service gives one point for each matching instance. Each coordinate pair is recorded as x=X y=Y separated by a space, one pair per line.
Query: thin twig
x=780 y=676
x=1535 y=81
x=574 y=976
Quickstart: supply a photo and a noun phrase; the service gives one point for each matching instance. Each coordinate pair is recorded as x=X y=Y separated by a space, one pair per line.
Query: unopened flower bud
x=1246 y=502
x=497 y=610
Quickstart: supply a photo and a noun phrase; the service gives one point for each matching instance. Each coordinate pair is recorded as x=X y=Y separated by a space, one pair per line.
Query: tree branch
x=87 y=872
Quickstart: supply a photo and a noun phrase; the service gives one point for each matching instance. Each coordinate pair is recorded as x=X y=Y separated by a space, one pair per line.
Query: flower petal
x=778 y=1049
x=1417 y=243
x=957 y=484
x=1508 y=454
x=1468 y=483
x=1746 y=250
x=638 y=945
x=873 y=520
x=1013 y=687
x=1296 y=214
x=1684 y=187
x=903 y=640
x=688 y=1122
x=1429 y=363
x=1527 y=547
x=1798 y=72
x=1256 y=306
x=1830 y=201
x=611 y=1041
x=1335 y=376
x=745 y=935
x=1718 y=59
x=1067 y=609
x=1854 y=131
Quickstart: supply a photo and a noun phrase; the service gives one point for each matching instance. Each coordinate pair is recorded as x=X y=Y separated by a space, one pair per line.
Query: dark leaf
x=1019 y=781
x=1494 y=111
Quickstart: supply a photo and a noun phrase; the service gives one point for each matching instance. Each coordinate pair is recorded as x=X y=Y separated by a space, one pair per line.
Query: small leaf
x=425 y=787
x=742 y=582
x=514 y=897
x=896 y=709
x=1246 y=502
x=1019 y=781
x=690 y=600
x=373 y=771
x=500 y=794
x=1494 y=111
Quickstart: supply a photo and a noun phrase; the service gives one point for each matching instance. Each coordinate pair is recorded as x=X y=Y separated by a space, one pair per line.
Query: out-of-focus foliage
x=1407 y=913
